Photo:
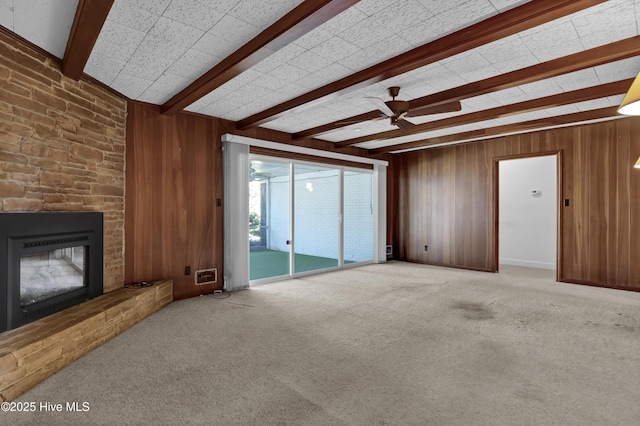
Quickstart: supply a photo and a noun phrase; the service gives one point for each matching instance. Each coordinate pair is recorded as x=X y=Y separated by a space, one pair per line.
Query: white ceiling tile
x=168 y=85
x=517 y=63
x=193 y=64
x=504 y=5
x=375 y=54
x=468 y=13
x=153 y=97
x=560 y=34
x=146 y=64
x=327 y=75
x=125 y=13
x=539 y=89
x=287 y=53
x=310 y=62
x=245 y=78
x=605 y=23
x=218 y=109
x=130 y=86
x=509 y=96
x=248 y=93
x=262 y=14
x=479 y=73
x=267 y=65
x=440 y=78
x=615 y=100
x=117 y=41
x=154 y=6
x=234 y=31
x=282 y=94
x=365 y=33
x=426 y=31
x=440 y=6
x=313 y=38
x=567 y=47
x=370 y=7
x=402 y=14
x=593 y=104
x=270 y=82
x=479 y=103
x=619 y=70
x=103 y=68
x=406 y=83
x=465 y=62
x=45 y=23
x=418 y=91
x=202 y=102
x=561 y=110
x=223 y=6
x=214 y=46
x=335 y=49
x=577 y=80
x=288 y=73
x=193 y=13
x=533 y=115
x=170 y=39
x=6 y=14
x=503 y=49
x=344 y=21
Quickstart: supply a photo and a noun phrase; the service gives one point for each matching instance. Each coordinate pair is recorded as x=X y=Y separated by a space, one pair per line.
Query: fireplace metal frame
x=19 y=232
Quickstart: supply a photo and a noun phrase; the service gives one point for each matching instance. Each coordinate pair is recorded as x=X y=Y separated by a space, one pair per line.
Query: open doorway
x=528 y=213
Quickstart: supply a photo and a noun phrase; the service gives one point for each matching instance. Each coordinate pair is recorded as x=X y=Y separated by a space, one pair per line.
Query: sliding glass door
x=358 y=217
x=269 y=223
x=306 y=217
x=316 y=231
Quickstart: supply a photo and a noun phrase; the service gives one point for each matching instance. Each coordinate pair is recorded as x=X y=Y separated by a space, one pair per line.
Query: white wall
x=527 y=223
x=317 y=224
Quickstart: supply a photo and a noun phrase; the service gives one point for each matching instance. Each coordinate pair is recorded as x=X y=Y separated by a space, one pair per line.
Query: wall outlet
x=187 y=270
x=426 y=248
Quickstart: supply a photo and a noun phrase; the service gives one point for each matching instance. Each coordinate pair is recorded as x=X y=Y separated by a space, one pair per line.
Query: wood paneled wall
x=173 y=182
x=444 y=198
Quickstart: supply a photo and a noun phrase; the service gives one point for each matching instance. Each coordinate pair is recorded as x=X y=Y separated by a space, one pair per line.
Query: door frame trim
x=559 y=204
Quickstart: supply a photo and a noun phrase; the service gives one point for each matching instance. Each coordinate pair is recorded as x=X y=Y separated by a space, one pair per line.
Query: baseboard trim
x=528 y=264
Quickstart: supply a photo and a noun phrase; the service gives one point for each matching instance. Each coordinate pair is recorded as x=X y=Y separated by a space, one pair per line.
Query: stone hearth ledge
x=35 y=351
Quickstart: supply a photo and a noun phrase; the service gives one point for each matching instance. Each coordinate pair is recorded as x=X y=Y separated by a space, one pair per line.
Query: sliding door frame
x=292 y=217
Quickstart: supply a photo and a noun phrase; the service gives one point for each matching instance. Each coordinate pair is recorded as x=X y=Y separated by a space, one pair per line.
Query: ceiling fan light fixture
x=631 y=103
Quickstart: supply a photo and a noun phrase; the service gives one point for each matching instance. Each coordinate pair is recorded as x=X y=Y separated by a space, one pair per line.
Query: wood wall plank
x=444 y=197
x=174 y=177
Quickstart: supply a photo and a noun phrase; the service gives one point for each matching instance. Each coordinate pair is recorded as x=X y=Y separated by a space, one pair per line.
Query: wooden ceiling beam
x=87 y=23
x=564 y=98
x=305 y=17
x=586 y=59
x=513 y=21
x=499 y=131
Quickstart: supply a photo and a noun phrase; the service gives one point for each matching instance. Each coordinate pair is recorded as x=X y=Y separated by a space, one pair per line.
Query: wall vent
x=206 y=276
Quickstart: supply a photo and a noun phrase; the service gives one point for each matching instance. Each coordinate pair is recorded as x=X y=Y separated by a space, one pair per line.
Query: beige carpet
x=394 y=344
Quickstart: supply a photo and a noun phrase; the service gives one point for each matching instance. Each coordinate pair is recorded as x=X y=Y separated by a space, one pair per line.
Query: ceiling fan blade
x=381 y=105
x=434 y=109
x=404 y=124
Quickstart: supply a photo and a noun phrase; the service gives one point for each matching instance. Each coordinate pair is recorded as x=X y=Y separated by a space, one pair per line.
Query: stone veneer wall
x=62 y=146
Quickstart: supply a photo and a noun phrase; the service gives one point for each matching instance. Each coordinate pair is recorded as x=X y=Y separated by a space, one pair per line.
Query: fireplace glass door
x=49 y=273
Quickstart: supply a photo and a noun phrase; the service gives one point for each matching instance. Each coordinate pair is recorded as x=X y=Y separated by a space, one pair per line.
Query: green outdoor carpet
x=271 y=263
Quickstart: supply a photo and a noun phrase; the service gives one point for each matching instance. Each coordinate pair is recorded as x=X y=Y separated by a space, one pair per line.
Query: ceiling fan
x=397 y=110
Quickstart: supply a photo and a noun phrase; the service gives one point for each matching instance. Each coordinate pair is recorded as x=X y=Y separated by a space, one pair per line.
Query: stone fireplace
x=49 y=261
